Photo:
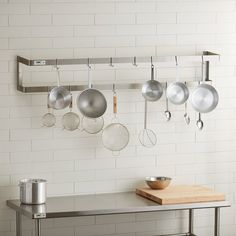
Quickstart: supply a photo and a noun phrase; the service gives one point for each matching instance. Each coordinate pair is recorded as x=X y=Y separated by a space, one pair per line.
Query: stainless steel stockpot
x=32 y=191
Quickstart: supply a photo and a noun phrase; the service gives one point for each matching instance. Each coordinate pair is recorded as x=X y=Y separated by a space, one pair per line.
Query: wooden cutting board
x=177 y=194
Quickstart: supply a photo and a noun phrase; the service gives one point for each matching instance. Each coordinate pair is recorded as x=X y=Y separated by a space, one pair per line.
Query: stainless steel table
x=105 y=204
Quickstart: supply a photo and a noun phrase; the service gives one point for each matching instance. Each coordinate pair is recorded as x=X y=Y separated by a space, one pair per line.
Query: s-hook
x=88 y=63
x=111 y=62
x=135 y=62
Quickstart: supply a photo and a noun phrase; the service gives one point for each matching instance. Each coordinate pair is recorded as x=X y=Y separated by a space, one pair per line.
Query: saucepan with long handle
x=59 y=97
x=177 y=92
x=152 y=89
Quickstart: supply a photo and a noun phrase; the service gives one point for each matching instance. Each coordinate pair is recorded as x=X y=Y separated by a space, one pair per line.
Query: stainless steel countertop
x=101 y=204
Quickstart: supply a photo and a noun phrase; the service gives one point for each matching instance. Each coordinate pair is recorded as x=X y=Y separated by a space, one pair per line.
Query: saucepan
x=152 y=89
x=59 y=97
x=32 y=191
x=177 y=92
x=204 y=98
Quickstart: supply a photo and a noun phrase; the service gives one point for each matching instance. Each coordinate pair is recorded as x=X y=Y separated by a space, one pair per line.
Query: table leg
x=37 y=227
x=190 y=224
x=217 y=222
x=18 y=224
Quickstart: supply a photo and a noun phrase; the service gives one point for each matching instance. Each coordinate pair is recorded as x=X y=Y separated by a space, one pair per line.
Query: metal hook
x=135 y=62
x=88 y=63
x=176 y=61
x=111 y=63
x=57 y=67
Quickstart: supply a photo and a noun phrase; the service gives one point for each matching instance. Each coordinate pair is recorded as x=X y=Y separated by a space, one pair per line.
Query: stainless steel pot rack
x=206 y=56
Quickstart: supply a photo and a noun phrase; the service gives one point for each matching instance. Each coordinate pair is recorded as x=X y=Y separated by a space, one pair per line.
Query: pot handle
x=152 y=72
x=114 y=104
x=114 y=100
x=177 y=69
x=203 y=71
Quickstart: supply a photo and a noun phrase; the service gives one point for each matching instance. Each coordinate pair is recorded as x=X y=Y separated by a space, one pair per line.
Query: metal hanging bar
x=206 y=56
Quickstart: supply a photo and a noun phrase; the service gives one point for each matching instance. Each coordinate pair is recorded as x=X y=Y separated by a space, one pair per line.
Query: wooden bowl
x=158 y=182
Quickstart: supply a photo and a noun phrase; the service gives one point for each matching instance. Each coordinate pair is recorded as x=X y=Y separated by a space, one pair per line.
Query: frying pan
x=91 y=102
x=177 y=92
x=59 y=97
x=204 y=98
x=152 y=89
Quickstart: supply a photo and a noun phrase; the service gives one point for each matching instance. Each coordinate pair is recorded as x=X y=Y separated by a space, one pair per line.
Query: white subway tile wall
x=76 y=162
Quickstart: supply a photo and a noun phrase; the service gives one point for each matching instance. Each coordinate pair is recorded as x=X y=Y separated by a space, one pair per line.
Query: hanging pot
x=91 y=102
x=177 y=92
x=204 y=98
x=152 y=89
x=59 y=97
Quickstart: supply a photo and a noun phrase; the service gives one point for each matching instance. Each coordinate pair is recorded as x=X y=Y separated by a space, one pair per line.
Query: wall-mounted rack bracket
x=207 y=57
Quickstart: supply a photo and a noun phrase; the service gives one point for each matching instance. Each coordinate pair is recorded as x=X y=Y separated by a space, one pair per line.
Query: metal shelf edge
x=207 y=56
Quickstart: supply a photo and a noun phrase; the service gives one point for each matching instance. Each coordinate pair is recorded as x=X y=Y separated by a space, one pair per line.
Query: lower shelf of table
x=179 y=234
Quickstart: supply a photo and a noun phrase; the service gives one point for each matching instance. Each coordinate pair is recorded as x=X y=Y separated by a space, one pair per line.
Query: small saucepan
x=152 y=89
x=59 y=97
x=177 y=92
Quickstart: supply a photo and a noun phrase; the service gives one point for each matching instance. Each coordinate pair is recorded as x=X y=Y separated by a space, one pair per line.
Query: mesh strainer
x=92 y=125
x=70 y=120
x=115 y=136
x=49 y=119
